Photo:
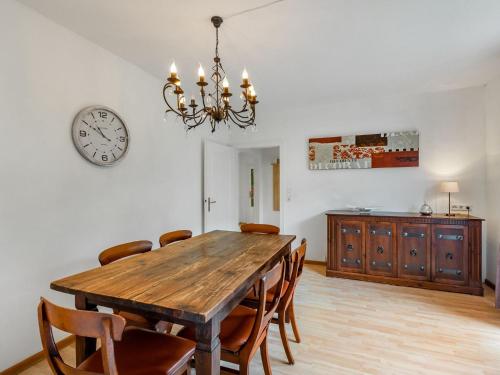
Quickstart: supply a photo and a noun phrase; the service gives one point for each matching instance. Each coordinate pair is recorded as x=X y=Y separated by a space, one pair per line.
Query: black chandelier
x=215 y=105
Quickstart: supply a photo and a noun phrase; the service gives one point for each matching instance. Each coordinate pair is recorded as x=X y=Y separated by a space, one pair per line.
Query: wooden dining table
x=195 y=282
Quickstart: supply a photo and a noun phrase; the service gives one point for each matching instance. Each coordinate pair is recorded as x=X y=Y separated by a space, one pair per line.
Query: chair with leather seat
x=130 y=351
x=245 y=329
x=259 y=228
x=286 y=311
x=177 y=235
x=125 y=250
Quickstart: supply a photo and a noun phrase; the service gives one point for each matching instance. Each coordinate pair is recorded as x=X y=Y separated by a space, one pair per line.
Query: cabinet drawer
x=350 y=246
x=381 y=249
x=414 y=251
x=450 y=254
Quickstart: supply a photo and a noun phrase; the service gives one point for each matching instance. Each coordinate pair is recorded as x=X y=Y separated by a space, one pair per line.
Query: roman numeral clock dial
x=100 y=135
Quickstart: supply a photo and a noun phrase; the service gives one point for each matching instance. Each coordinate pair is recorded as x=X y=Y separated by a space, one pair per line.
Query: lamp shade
x=449 y=187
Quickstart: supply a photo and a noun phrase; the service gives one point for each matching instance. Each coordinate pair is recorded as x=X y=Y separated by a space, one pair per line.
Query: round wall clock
x=100 y=135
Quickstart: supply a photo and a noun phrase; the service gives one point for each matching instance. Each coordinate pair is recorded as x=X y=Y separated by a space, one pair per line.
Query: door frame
x=283 y=185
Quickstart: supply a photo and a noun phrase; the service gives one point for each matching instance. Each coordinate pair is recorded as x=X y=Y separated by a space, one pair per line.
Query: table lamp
x=449 y=187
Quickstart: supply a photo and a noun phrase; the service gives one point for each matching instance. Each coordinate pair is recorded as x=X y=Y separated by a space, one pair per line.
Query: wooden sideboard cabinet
x=432 y=252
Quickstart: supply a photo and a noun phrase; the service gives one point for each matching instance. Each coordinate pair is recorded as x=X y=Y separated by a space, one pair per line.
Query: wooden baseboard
x=315 y=262
x=489 y=283
x=35 y=358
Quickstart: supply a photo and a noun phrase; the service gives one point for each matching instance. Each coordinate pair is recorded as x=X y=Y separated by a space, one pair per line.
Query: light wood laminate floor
x=355 y=327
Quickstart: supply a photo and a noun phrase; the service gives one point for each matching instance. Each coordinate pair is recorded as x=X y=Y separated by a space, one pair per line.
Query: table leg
x=207 y=355
x=85 y=346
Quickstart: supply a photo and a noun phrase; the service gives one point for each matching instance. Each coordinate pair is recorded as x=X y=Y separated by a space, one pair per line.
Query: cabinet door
x=450 y=254
x=414 y=251
x=381 y=249
x=350 y=246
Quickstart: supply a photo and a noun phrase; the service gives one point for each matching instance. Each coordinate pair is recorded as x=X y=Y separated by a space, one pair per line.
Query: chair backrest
x=106 y=327
x=178 y=235
x=296 y=265
x=265 y=312
x=124 y=250
x=259 y=228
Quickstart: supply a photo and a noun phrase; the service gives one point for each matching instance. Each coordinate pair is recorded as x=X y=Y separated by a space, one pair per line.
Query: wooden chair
x=130 y=351
x=259 y=228
x=286 y=311
x=123 y=251
x=178 y=235
x=245 y=329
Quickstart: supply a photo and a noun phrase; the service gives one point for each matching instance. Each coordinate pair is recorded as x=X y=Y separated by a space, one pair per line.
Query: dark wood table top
x=191 y=279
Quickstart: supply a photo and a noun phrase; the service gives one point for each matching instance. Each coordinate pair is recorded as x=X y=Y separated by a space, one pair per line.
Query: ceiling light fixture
x=216 y=105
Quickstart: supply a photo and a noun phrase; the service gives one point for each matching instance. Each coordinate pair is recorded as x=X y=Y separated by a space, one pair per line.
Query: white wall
x=451 y=146
x=57 y=211
x=492 y=109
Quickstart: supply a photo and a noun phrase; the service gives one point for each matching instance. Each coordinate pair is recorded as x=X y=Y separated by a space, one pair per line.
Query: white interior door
x=220 y=187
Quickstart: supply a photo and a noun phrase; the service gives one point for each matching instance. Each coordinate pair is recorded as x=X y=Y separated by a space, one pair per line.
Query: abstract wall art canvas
x=383 y=150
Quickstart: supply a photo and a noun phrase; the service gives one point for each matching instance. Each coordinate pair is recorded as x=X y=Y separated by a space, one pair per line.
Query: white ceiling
x=298 y=51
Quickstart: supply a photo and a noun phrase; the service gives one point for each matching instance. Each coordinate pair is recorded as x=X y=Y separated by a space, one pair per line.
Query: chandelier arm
x=171 y=109
x=180 y=113
x=238 y=122
x=196 y=123
x=241 y=116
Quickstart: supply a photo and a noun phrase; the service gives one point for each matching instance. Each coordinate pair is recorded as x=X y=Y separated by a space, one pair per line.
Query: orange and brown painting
x=383 y=150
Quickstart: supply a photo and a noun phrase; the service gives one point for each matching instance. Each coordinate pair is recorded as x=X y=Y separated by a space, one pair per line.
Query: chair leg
x=264 y=353
x=294 y=322
x=284 y=338
x=244 y=368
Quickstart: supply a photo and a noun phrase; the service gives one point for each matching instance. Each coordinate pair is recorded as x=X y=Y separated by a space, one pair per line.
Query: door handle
x=210 y=202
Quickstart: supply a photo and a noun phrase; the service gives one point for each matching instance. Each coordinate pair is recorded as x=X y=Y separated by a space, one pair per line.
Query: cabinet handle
x=358 y=261
x=405 y=266
x=413 y=252
x=389 y=264
x=349 y=247
x=344 y=260
x=380 y=250
x=344 y=230
x=422 y=268
x=374 y=263
x=449 y=256
x=459 y=272
x=440 y=270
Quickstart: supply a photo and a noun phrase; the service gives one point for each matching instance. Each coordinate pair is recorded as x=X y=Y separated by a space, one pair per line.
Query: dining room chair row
x=285 y=310
x=137 y=351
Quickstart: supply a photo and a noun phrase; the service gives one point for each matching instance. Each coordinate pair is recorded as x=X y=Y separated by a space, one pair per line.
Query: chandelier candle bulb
x=244 y=76
x=201 y=73
x=173 y=71
x=182 y=102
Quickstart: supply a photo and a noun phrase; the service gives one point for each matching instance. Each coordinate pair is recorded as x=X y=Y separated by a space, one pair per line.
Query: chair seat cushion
x=143 y=352
x=270 y=293
x=234 y=330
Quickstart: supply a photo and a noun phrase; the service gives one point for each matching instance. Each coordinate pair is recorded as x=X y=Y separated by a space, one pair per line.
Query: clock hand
x=100 y=131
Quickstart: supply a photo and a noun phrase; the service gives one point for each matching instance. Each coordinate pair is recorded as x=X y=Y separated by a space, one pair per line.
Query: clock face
x=100 y=135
